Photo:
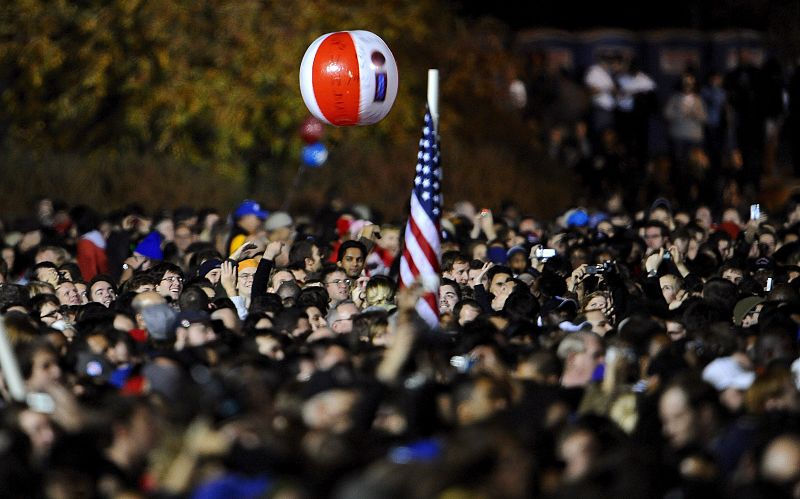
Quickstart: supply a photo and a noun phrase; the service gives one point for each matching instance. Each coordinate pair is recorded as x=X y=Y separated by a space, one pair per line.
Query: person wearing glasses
x=336 y=284
x=170 y=280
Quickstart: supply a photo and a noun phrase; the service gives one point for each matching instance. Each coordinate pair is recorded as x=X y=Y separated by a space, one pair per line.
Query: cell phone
x=667 y=256
x=755 y=211
x=462 y=363
x=768 y=287
x=544 y=253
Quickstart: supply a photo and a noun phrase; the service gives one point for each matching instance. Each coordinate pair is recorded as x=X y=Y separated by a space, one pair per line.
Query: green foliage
x=213 y=85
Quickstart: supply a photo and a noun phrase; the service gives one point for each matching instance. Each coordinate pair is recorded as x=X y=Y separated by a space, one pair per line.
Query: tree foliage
x=214 y=83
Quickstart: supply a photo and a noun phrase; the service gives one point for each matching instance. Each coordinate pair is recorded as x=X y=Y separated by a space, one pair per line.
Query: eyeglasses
x=339 y=282
x=52 y=315
x=173 y=279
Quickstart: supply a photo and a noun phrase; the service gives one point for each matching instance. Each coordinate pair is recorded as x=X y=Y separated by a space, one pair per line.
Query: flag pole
x=433 y=97
x=9 y=366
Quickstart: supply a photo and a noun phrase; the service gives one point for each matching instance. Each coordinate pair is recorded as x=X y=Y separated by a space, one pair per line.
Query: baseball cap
x=150 y=246
x=744 y=307
x=250 y=207
x=208 y=266
x=189 y=317
x=278 y=220
x=578 y=218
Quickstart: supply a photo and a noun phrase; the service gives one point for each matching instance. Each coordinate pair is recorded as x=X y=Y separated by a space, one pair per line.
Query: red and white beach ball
x=349 y=78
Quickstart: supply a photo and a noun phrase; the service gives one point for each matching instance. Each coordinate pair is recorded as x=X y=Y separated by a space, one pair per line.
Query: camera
x=600 y=268
x=544 y=253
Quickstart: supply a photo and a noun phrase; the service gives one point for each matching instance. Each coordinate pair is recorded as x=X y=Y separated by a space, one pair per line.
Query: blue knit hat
x=150 y=246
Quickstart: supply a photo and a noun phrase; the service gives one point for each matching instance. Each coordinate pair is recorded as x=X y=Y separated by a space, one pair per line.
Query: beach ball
x=349 y=78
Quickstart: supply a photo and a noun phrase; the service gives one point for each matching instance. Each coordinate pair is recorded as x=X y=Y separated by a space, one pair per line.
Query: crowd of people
x=709 y=140
x=193 y=353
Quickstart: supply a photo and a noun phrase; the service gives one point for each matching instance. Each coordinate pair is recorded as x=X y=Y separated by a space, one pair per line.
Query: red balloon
x=311 y=130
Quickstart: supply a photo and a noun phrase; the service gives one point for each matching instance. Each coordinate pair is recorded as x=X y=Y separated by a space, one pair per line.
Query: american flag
x=420 y=257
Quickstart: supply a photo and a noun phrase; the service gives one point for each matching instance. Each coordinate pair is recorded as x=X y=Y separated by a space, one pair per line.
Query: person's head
x=249 y=216
x=193 y=298
x=449 y=295
x=337 y=284
x=67 y=293
x=780 y=463
x=141 y=282
x=46 y=308
x=655 y=235
x=518 y=259
x=390 y=238
x=192 y=329
x=245 y=276
x=594 y=301
x=466 y=311
x=45 y=272
x=40 y=430
x=581 y=353
x=688 y=411
x=184 y=237
x=351 y=258
x=671 y=285
x=455 y=267
x=52 y=254
x=497 y=276
x=315 y=318
x=306 y=254
x=600 y=322
x=39 y=287
x=270 y=345
x=732 y=273
x=340 y=317
x=211 y=269
x=379 y=291
x=133 y=429
x=102 y=290
x=479 y=397
x=278 y=278
x=38 y=364
x=170 y=280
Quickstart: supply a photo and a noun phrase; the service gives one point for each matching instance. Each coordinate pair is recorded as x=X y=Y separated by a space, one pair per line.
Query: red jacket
x=92 y=259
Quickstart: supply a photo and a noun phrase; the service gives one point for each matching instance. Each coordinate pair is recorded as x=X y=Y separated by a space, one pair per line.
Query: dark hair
x=300 y=251
x=498 y=269
x=103 y=278
x=140 y=278
x=453 y=284
x=193 y=298
x=450 y=258
x=162 y=268
x=313 y=296
x=351 y=244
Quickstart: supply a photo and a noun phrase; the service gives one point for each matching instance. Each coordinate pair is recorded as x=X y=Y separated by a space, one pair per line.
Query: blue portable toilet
x=728 y=46
x=596 y=43
x=558 y=46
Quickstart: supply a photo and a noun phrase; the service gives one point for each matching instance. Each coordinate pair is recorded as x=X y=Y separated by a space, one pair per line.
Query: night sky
x=641 y=14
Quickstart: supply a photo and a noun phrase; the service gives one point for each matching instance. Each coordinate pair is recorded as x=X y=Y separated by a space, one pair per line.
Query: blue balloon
x=314 y=155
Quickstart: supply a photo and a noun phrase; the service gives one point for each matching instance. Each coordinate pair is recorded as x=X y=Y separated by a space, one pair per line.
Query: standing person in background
x=686 y=116
x=91 y=252
x=248 y=219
